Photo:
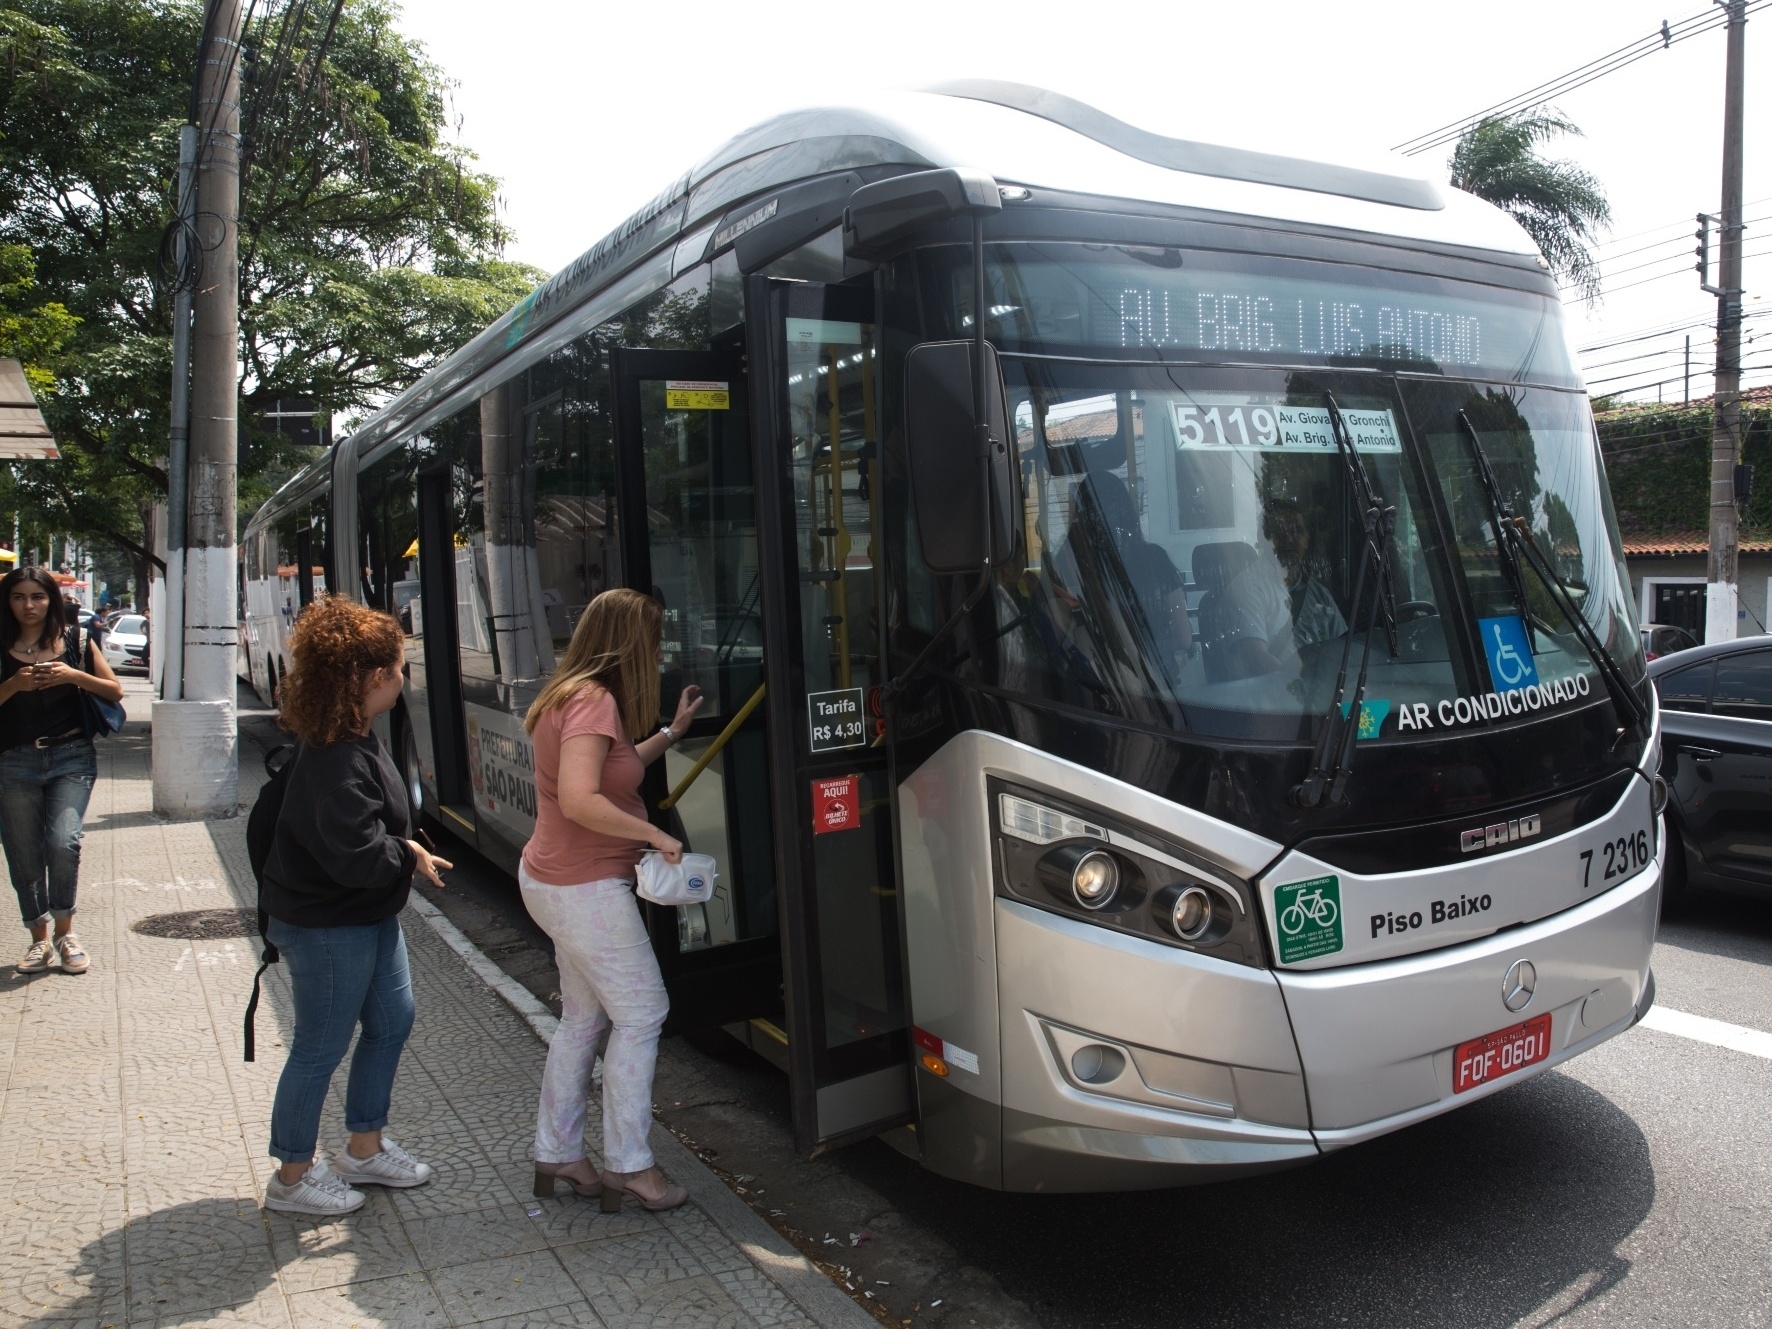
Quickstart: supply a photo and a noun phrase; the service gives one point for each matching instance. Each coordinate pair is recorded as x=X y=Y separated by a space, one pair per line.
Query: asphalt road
x=1632 y=1186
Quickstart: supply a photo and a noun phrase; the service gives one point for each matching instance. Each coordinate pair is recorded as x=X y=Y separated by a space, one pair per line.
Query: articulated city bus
x=1175 y=704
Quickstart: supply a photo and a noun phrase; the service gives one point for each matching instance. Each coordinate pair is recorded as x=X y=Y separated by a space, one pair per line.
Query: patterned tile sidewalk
x=132 y=1138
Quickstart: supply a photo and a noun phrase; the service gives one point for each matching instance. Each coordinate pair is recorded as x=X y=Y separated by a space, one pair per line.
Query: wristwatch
x=669 y=733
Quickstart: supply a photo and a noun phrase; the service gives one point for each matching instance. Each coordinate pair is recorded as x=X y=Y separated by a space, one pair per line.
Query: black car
x=1716 y=754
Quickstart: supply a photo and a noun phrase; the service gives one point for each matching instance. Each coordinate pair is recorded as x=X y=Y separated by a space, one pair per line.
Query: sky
x=585 y=109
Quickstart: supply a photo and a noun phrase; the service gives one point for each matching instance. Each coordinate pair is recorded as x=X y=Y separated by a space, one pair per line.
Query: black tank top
x=33 y=715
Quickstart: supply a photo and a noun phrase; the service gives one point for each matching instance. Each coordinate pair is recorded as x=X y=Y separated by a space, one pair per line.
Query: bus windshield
x=1194 y=538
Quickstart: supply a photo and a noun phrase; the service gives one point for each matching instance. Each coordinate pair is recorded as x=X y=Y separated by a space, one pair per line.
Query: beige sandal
x=546 y=1174
x=616 y=1185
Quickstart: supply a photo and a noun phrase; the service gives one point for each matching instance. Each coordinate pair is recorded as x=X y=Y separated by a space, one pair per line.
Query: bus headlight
x=1090 y=866
x=1089 y=877
x=1095 y=879
x=1190 y=915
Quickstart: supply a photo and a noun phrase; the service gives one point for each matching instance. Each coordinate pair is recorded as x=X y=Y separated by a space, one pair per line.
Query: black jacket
x=341 y=857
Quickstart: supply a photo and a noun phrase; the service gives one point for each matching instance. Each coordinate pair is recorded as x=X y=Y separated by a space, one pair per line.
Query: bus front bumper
x=1377 y=1041
x=1229 y=1071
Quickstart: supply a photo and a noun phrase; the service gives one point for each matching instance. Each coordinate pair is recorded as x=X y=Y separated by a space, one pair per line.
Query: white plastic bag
x=688 y=882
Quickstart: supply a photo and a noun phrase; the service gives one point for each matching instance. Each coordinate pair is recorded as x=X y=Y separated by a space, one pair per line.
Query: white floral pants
x=610 y=987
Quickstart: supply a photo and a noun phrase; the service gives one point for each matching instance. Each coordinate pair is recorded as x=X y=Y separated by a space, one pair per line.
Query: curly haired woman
x=338 y=875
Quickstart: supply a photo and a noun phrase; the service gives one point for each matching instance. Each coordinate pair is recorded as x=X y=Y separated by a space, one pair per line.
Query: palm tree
x=1560 y=205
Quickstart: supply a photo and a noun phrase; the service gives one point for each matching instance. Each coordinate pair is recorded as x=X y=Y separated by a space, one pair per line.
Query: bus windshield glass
x=1194 y=541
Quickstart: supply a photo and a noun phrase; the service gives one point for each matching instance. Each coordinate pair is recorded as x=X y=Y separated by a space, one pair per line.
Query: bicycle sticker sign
x=1511 y=666
x=1309 y=915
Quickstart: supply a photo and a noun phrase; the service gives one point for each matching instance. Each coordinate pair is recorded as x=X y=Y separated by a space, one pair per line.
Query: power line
x=1635 y=383
x=1644 y=334
x=1659 y=40
x=1683 y=270
x=1685 y=221
x=1652 y=262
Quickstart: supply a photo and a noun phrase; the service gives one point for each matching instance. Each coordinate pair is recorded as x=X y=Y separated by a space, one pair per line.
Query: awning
x=23 y=433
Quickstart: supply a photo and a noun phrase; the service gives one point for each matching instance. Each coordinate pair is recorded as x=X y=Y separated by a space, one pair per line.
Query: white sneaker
x=38 y=958
x=318 y=1192
x=393 y=1166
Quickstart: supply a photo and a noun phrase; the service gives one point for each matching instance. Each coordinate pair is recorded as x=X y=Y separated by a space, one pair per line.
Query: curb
x=761 y=1244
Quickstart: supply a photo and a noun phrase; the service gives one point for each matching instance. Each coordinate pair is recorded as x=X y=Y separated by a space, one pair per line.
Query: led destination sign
x=1246 y=307
x=1250 y=320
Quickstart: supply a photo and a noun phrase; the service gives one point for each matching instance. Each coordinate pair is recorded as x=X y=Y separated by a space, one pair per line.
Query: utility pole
x=169 y=649
x=1725 y=441
x=195 y=740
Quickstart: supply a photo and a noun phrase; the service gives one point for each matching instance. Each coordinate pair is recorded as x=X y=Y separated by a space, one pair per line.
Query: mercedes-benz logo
x=1517 y=987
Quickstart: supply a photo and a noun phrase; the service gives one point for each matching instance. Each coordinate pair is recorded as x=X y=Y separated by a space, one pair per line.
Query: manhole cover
x=201 y=924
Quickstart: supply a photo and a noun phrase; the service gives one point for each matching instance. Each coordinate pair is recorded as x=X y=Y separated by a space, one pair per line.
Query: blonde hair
x=615 y=646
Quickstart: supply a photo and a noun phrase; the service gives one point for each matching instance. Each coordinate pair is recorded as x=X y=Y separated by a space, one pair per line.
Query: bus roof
x=1021 y=135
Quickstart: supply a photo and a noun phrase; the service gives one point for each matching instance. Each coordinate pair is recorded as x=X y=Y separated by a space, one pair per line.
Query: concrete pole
x=1725 y=442
x=195 y=741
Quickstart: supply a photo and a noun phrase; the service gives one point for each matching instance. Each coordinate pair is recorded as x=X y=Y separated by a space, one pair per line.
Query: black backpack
x=261 y=834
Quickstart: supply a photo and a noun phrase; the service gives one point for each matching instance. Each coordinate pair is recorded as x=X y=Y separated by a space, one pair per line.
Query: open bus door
x=813 y=375
x=683 y=451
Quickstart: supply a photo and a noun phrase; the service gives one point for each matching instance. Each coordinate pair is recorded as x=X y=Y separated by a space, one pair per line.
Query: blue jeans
x=341 y=977
x=43 y=797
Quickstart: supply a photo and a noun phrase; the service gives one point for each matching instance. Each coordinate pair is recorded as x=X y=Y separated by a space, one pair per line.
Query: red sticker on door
x=836 y=804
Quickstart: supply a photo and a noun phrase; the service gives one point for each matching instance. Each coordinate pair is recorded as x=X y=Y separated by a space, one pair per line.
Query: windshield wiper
x=1500 y=521
x=1516 y=543
x=1332 y=764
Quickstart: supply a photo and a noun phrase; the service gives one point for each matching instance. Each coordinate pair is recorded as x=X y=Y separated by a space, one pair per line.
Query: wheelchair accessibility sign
x=1505 y=642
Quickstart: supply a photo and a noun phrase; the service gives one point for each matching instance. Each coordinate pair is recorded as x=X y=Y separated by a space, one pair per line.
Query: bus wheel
x=271 y=680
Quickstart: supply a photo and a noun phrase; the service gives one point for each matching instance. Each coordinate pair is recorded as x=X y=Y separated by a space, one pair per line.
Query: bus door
x=819 y=508
x=683 y=451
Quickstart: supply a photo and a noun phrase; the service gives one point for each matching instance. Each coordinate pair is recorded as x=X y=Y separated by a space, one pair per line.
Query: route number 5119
x=1621 y=857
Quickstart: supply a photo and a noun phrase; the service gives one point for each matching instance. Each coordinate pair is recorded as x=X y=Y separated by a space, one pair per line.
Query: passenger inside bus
x=1258 y=613
x=1106 y=565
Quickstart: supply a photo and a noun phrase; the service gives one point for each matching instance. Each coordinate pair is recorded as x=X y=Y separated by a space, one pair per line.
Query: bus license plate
x=1501 y=1053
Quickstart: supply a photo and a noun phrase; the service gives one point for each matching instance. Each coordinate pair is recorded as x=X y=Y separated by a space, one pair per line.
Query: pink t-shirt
x=561 y=852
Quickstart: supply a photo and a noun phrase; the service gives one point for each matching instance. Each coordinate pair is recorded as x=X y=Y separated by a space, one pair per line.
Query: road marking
x=1719 y=1033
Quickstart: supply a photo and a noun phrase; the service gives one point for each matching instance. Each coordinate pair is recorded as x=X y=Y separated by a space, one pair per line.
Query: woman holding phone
x=47 y=763
x=578 y=875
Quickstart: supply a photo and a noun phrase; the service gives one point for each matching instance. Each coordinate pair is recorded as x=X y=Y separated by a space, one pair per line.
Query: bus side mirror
x=888 y=211
x=941 y=448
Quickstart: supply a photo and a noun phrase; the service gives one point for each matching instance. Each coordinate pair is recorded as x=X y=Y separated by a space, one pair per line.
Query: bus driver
x=1271 y=618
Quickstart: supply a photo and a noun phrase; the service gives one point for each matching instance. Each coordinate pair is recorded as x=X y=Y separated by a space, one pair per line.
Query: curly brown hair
x=337 y=644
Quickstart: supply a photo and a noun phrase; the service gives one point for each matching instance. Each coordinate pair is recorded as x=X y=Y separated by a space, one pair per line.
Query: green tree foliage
x=369 y=245
x=1561 y=206
x=32 y=331
x=1658 y=467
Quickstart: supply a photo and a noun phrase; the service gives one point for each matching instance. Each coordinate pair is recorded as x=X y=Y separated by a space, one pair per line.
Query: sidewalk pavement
x=133 y=1137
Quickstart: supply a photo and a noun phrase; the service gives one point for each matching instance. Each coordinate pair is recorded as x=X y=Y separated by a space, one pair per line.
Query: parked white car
x=126 y=643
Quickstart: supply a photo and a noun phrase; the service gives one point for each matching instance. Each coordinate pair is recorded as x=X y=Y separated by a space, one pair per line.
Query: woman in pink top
x=578 y=884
